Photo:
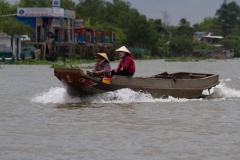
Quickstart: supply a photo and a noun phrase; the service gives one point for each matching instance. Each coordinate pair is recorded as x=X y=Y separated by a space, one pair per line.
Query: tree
x=181 y=45
x=196 y=27
x=115 y=13
x=119 y=14
x=228 y=16
x=235 y=30
x=11 y=26
x=157 y=25
x=183 y=21
x=88 y=8
x=232 y=42
x=185 y=30
x=135 y=24
x=211 y=25
x=5 y=8
x=68 y=4
x=35 y=3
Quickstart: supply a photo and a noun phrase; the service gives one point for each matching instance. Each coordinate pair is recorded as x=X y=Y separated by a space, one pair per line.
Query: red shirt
x=127 y=63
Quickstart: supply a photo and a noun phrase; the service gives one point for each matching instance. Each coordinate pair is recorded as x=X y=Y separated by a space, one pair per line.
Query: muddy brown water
x=38 y=120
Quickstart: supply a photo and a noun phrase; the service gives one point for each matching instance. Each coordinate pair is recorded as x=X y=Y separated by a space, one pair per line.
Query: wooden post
x=44 y=51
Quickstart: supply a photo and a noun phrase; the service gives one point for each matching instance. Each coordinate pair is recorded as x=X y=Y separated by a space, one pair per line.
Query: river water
x=39 y=121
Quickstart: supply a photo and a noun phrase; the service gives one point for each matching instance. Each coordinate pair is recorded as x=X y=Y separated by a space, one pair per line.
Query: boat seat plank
x=192 y=76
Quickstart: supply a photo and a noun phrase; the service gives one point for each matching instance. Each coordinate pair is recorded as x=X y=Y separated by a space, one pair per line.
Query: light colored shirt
x=103 y=66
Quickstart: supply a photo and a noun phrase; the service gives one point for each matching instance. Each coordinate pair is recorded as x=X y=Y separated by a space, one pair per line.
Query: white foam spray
x=55 y=95
x=222 y=91
x=58 y=95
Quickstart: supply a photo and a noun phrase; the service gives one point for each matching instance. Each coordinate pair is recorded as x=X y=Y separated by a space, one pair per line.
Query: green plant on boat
x=71 y=63
x=86 y=67
x=65 y=65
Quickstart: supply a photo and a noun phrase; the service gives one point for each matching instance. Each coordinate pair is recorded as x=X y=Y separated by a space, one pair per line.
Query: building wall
x=6 y=41
x=28 y=21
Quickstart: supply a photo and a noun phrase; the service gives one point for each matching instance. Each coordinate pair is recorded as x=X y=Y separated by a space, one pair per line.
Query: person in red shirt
x=126 y=66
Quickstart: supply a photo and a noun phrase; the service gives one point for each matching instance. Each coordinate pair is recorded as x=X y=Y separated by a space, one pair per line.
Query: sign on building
x=40 y=12
x=78 y=22
x=55 y=3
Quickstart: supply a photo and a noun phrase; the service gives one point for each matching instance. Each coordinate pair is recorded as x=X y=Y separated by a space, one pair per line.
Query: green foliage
x=183 y=21
x=132 y=29
x=64 y=65
x=157 y=25
x=78 y=60
x=163 y=49
x=73 y=62
x=185 y=30
x=140 y=33
x=147 y=57
x=232 y=42
x=184 y=59
x=202 y=46
x=212 y=25
x=86 y=67
x=33 y=62
x=181 y=45
x=93 y=21
x=68 y=4
x=11 y=26
x=5 y=8
x=235 y=30
x=35 y=3
x=228 y=16
x=88 y=8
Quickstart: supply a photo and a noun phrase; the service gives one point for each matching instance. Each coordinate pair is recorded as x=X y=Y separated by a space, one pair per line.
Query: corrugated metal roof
x=17 y=36
x=219 y=37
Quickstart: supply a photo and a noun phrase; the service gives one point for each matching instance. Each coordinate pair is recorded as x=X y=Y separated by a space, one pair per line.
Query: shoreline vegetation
x=141 y=35
x=77 y=63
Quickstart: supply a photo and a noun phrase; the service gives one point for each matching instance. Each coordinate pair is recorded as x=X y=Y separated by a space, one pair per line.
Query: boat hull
x=178 y=85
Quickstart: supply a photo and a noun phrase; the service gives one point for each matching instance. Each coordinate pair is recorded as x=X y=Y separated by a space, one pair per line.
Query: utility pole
x=224 y=18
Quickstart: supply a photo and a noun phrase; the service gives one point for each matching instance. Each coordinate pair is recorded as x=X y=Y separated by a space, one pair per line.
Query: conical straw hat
x=104 y=55
x=122 y=49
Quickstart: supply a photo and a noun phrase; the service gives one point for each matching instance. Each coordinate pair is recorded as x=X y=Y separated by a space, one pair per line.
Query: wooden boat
x=178 y=85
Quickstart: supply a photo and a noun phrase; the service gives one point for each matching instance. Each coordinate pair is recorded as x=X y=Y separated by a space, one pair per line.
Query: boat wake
x=223 y=92
x=59 y=95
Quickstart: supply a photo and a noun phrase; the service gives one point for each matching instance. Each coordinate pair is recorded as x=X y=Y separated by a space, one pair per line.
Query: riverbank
x=75 y=62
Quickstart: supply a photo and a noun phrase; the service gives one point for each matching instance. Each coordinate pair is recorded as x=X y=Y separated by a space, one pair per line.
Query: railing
x=139 y=50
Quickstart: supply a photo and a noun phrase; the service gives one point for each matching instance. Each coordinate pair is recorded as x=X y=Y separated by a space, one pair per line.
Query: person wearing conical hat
x=102 y=67
x=126 y=66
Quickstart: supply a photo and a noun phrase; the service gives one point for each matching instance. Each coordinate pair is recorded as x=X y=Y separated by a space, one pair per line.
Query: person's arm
x=126 y=63
x=107 y=68
x=94 y=68
x=119 y=66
